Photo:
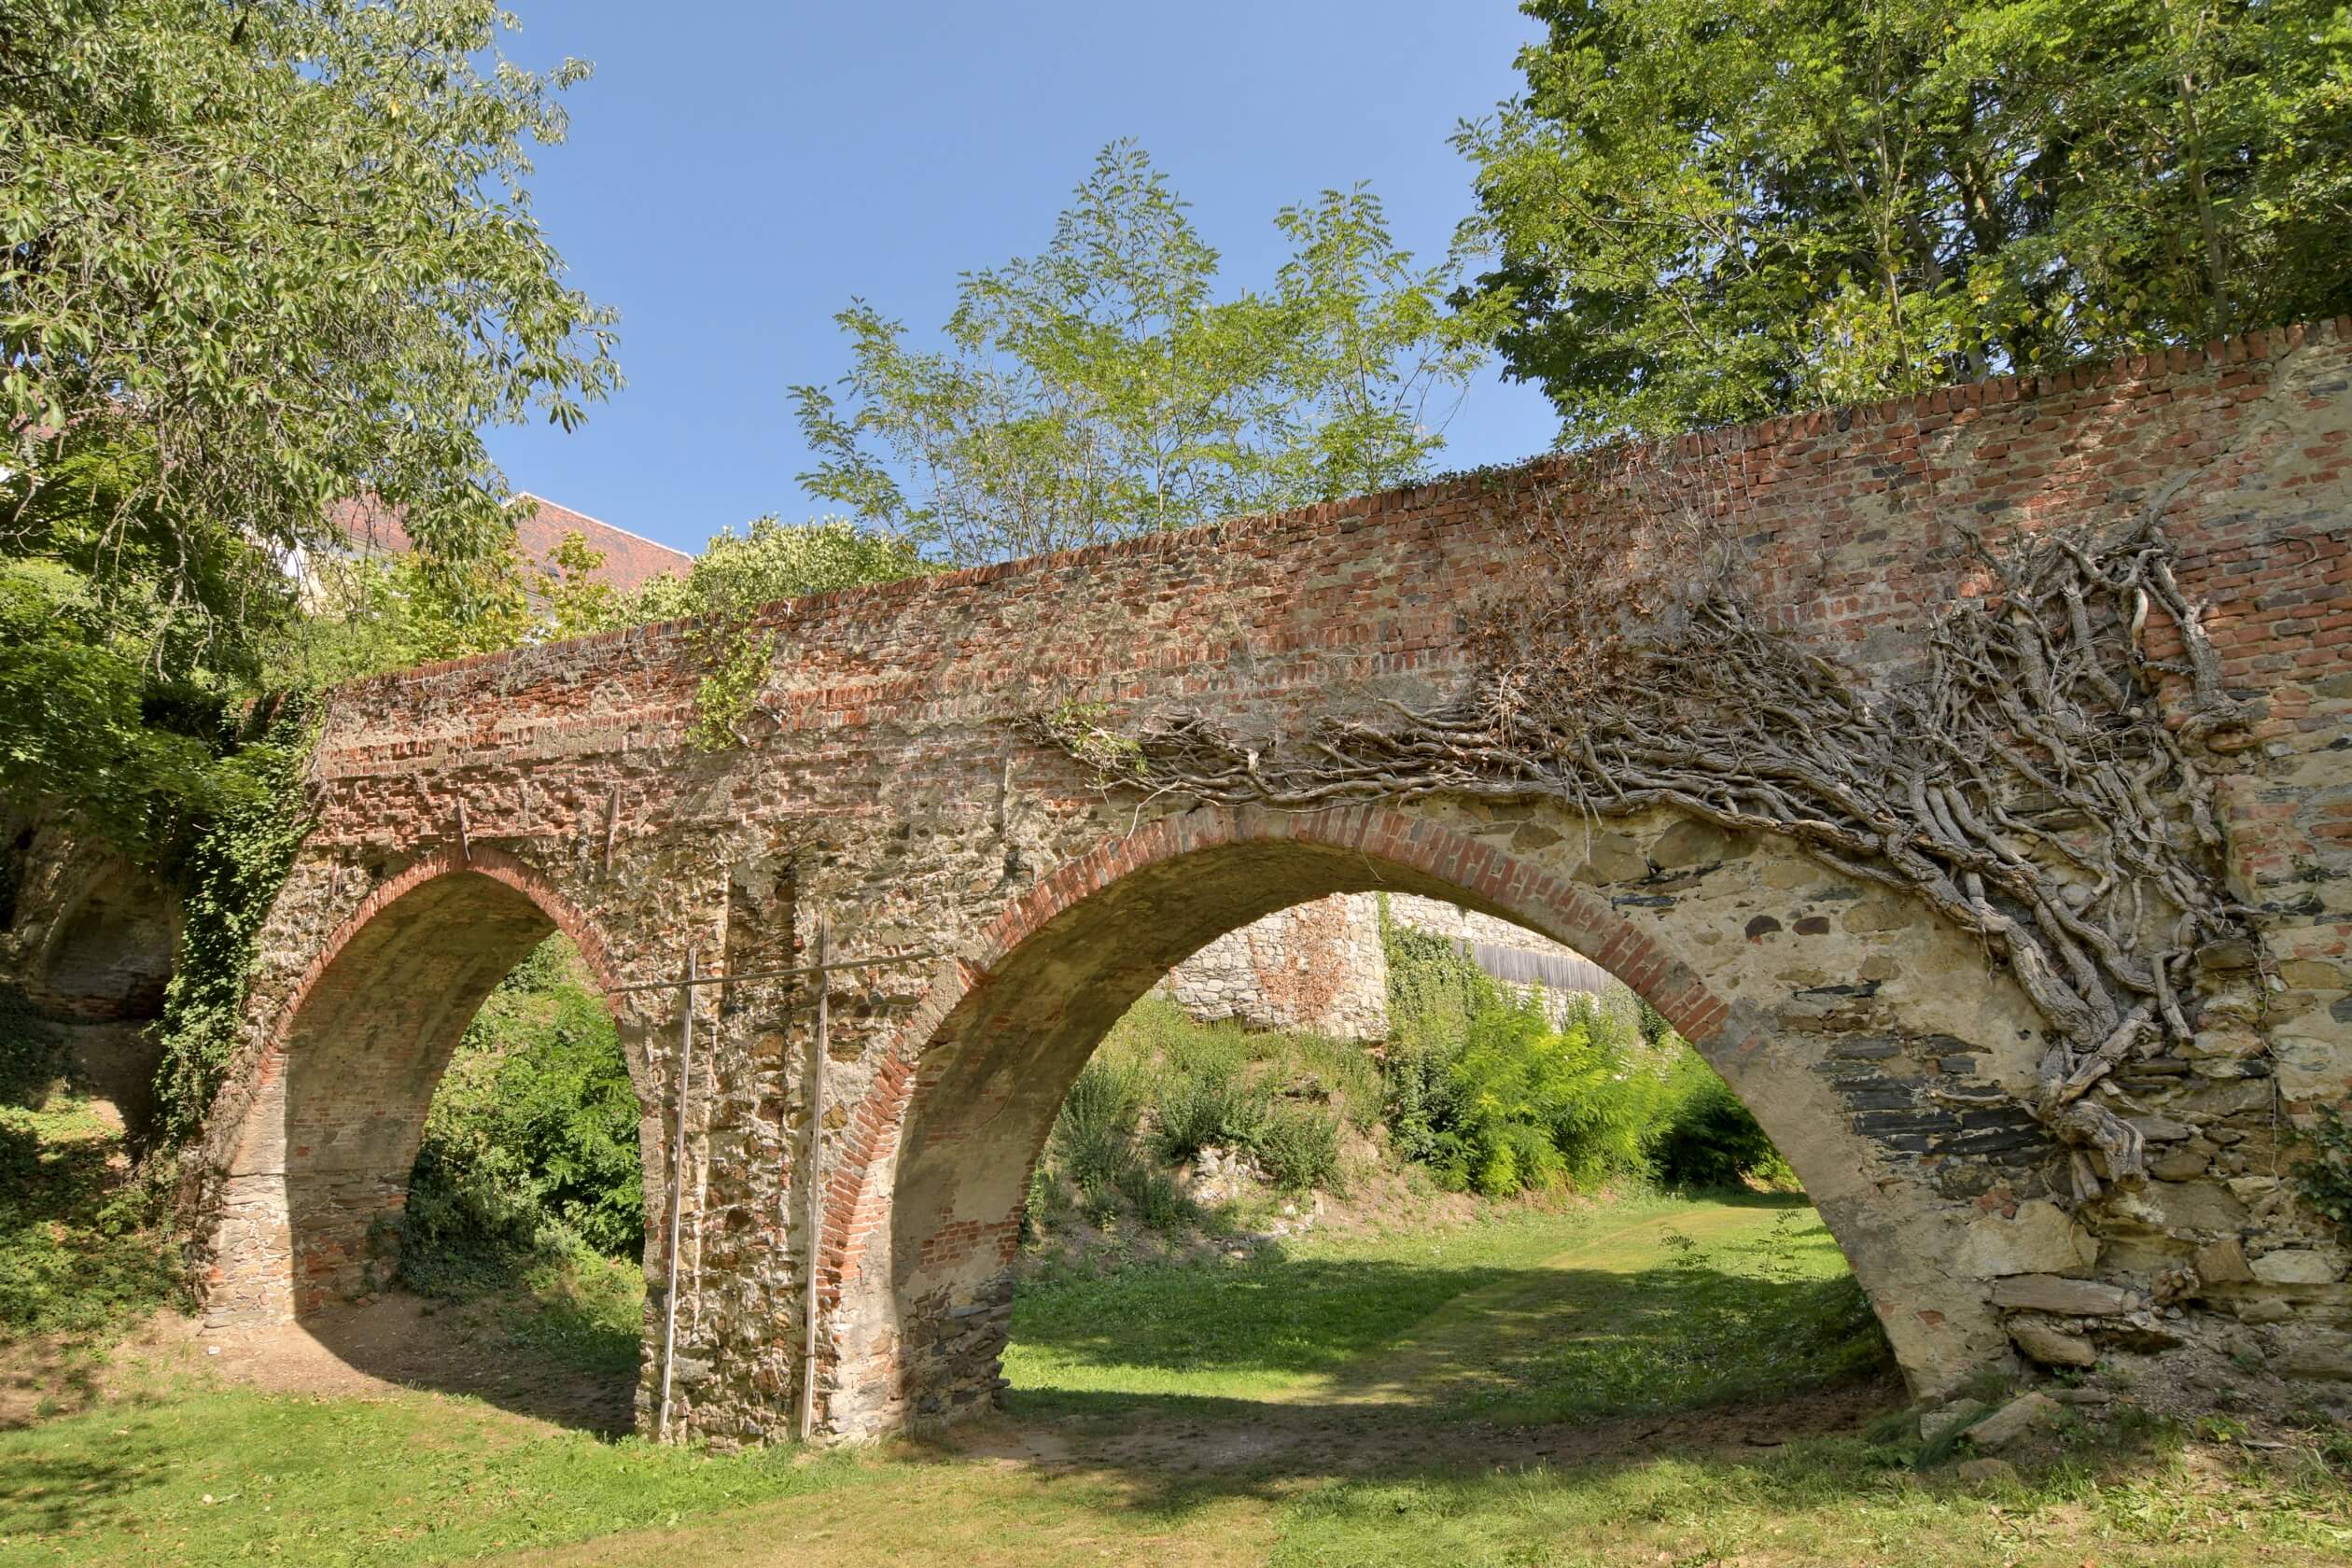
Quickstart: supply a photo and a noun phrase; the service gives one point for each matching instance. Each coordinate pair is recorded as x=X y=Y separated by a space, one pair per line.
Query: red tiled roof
x=630 y=560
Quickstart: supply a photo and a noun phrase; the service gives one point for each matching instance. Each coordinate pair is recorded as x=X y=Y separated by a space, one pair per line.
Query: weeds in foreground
x=84 y=1246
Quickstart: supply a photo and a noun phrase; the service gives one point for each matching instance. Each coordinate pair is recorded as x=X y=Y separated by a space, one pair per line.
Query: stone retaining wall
x=1320 y=967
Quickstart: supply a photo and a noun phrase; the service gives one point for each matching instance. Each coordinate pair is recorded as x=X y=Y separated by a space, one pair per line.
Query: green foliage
x=1161 y=1088
x=1704 y=214
x=264 y=257
x=530 y=1149
x=2323 y=1175
x=84 y=1245
x=1102 y=388
x=1158 y=1201
x=81 y=716
x=771 y=560
x=1210 y=1106
x=1297 y=1146
x=230 y=881
x=258 y=259
x=1534 y=1108
x=1092 y=1141
x=1487 y=1094
x=733 y=577
x=1705 y=1138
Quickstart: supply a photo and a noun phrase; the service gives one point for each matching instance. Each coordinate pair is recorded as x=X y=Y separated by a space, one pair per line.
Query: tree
x=1102 y=388
x=255 y=258
x=771 y=560
x=259 y=258
x=1700 y=213
x=737 y=574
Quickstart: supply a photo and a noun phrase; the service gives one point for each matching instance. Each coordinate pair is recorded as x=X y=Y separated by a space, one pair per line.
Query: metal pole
x=677 y=1187
x=816 y=1195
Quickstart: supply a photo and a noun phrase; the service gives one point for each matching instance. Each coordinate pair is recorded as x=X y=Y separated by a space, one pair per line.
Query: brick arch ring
x=484 y=861
x=858 y=1192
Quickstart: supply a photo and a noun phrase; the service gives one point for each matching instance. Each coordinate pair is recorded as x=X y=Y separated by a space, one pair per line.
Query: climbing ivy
x=231 y=879
x=2324 y=1176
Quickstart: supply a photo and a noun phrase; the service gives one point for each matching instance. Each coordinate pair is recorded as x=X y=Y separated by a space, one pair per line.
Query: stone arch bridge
x=463 y=810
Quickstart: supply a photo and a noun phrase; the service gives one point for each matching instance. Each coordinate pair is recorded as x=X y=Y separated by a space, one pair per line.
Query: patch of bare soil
x=1304 y=1439
x=49 y=1377
x=390 y=1344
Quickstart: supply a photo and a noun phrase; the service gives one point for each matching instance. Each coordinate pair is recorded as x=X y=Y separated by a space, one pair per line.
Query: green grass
x=1535 y=1315
x=223 y=1477
x=1402 y=1363
x=81 y=1249
x=1823 y=1502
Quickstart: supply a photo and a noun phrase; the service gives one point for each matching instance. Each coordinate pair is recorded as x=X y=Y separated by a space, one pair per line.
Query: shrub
x=1212 y=1108
x=1159 y=1203
x=1298 y=1148
x=1094 y=1137
x=1705 y=1136
x=1534 y=1107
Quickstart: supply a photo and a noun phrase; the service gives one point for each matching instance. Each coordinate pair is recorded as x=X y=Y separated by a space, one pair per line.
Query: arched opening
x=315 y=1205
x=111 y=959
x=963 y=1128
x=99 y=969
x=1508 y=1193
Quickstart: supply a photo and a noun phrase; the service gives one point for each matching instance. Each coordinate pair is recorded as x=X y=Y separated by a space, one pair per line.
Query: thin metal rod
x=677 y=1186
x=807 y=1421
x=775 y=974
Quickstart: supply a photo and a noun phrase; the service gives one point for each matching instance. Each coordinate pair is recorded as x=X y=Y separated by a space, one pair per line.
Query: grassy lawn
x=1532 y=1317
x=1367 y=1401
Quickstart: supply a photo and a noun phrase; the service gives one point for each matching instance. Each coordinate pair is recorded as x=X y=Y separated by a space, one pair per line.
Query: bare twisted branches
x=2024 y=784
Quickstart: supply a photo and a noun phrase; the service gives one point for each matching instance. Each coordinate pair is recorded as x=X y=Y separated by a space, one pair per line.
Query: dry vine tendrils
x=2025 y=785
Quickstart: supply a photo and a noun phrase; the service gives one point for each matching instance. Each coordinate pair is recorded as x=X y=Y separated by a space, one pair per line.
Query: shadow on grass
x=51 y=1492
x=541 y=1358
x=1762 y=1315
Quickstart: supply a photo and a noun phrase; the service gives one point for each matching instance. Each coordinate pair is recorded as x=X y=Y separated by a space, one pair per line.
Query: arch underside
x=1771 y=1016
x=318 y=1181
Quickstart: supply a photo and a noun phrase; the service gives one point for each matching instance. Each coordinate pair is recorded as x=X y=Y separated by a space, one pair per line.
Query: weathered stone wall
x=1321 y=966
x=1317 y=966
x=88 y=940
x=462 y=808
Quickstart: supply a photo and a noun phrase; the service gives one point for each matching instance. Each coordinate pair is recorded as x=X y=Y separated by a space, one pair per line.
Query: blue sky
x=737 y=171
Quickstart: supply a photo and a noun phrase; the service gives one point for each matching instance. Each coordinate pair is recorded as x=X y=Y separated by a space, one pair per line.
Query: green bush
x=1092 y=1141
x=1482 y=1091
x=1297 y=1146
x=530 y=1149
x=1211 y=1108
x=1535 y=1107
x=1159 y=1203
x=1705 y=1138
